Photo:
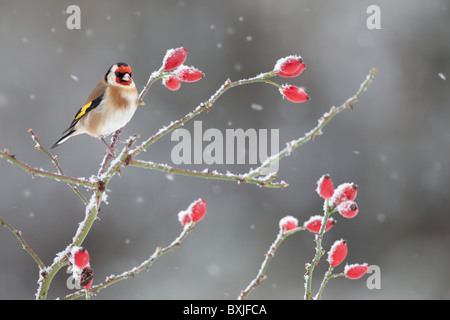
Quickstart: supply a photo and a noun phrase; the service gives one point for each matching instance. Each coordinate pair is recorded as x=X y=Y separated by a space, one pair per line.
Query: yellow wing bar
x=83 y=110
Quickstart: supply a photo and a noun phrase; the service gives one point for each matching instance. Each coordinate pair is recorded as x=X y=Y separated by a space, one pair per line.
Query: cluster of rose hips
x=82 y=271
x=340 y=199
x=289 y=67
x=177 y=72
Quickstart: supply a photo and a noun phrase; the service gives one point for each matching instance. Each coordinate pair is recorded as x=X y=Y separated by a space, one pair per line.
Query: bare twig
x=265 y=181
x=5 y=154
x=25 y=245
x=54 y=159
x=268 y=257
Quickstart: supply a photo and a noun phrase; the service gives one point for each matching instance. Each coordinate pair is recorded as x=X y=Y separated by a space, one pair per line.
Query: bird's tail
x=63 y=138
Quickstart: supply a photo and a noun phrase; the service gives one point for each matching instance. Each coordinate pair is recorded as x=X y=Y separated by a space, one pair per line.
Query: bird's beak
x=126 y=77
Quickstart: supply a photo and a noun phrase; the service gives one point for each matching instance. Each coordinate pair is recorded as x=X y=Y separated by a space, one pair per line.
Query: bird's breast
x=114 y=112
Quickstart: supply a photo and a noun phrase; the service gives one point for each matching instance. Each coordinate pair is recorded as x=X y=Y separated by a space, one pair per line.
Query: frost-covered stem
x=327 y=277
x=153 y=77
x=294 y=144
x=5 y=154
x=61 y=260
x=54 y=159
x=200 y=108
x=265 y=264
x=251 y=176
x=25 y=245
x=108 y=155
x=92 y=209
x=319 y=251
x=136 y=270
x=240 y=178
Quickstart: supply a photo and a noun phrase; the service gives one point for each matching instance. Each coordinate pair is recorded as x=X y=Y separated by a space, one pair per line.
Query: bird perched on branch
x=109 y=107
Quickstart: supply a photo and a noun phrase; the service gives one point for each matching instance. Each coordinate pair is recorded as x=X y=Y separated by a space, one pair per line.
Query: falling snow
x=256 y=107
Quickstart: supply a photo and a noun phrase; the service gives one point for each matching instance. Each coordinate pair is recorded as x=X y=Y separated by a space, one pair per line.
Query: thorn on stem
x=101 y=186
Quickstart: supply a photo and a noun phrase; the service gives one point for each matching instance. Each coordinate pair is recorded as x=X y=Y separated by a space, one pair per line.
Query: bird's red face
x=123 y=75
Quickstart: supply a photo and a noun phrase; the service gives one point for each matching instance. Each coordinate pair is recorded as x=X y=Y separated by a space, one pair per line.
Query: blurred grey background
x=394 y=145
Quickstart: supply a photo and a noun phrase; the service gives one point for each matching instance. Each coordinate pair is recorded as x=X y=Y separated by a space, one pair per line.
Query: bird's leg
x=112 y=151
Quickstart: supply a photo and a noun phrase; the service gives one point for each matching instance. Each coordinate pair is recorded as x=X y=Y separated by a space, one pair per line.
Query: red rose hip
x=344 y=192
x=325 y=187
x=315 y=223
x=288 y=223
x=79 y=257
x=87 y=275
x=348 y=209
x=294 y=94
x=174 y=58
x=195 y=212
x=189 y=74
x=290 y=66
x=337 y=253
x=356 y=271
x=172 y=83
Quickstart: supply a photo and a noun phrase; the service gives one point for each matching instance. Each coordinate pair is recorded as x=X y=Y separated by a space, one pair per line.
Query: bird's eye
x=118 y=74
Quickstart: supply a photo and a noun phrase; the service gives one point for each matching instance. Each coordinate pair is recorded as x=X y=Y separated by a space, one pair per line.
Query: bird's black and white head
x=119 y=74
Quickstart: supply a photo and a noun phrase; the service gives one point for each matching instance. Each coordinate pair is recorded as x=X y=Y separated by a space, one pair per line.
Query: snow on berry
x=174 y=58
x=337 y=253
x=293 y=74
x=294 y=93
x=348 y=209
x=356 y=271
x=195 y=212
x=288 y=223
x=172 y=83
x=325 y=187
x=290 y=66
x=315 y=223
x=79 y=257
x=189 y=74
x=344 y=192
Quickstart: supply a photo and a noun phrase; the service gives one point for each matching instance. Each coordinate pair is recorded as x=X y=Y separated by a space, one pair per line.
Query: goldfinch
x=109 y=107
